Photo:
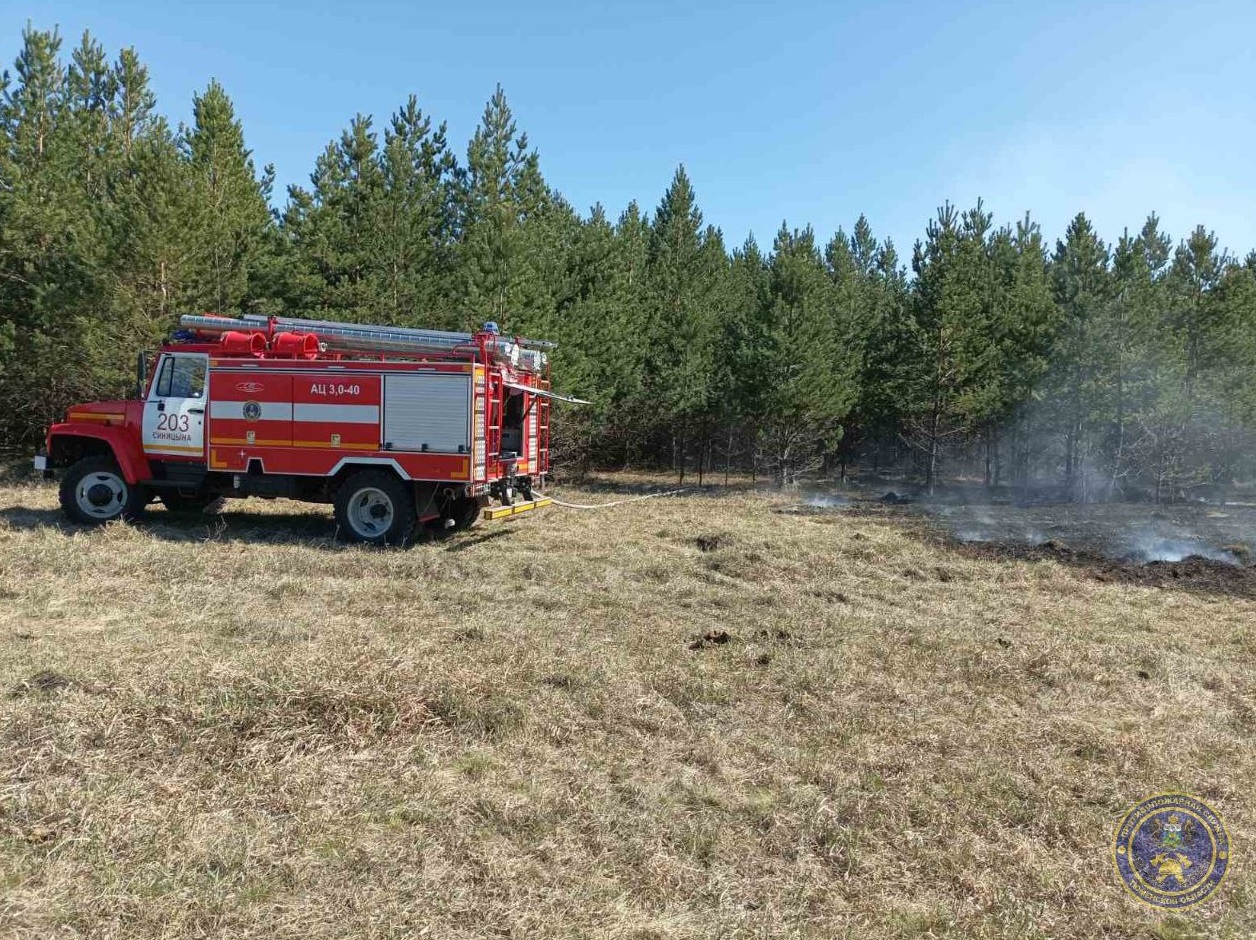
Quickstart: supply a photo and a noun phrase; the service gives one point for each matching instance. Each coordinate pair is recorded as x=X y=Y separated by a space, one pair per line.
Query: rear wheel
x=464 y=511
x=376 y=508
x=94 y=491
x=457 y=514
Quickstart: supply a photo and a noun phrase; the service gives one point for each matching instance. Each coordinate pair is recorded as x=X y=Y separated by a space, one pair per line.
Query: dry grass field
x=681 y=718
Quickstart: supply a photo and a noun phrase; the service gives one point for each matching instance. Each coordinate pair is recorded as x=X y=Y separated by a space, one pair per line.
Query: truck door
x=174 y=413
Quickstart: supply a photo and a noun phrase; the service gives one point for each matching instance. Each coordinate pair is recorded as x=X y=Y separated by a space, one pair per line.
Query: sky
x=798 y=112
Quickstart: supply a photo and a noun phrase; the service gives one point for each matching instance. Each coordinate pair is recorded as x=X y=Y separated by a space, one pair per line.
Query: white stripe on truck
x=234 y=410
x=337 y=414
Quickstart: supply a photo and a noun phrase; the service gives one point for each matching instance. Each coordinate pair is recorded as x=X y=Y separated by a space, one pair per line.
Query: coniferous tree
x=502 y=191
x=230 y=205
x=809 y=376
x=948 y=357
x=1081 y=285
x=48 y=225
x=417 y=218
x=374 y=237
x=745 y=344
x=332 y=227
x=683 y=278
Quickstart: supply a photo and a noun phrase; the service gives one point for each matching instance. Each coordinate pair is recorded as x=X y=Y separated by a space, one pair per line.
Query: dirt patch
x=710 y=543
x=50 y=682
x=711 y=638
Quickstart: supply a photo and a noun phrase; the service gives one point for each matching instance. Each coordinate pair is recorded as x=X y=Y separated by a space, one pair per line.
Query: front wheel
x=94 y=491
x=376 y=508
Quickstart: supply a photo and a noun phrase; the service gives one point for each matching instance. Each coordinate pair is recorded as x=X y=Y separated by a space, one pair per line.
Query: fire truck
x=402 y=430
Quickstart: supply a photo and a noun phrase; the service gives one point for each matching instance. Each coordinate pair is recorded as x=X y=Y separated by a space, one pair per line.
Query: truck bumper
x=501 y=512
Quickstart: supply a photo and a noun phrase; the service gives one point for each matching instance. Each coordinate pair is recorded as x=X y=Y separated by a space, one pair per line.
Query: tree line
x=1101 y=369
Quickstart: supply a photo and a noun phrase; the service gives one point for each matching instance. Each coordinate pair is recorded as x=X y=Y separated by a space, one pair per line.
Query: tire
x=376 y=508
x=463 y=512
x=188 y=505
x=94 y=491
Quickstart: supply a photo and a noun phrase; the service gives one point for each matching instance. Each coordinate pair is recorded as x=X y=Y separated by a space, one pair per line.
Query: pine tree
x=417 y=218
x=745 y=349
x=232 y=214
x=1080 y=279
x=683 y=277
x=47 y=223
x=1021 y=319
x=332 y=228
x=1197 y=319
x=946 y=368
x=863 y=289
x=810 y=377
x=374 y=237
x=502 y=191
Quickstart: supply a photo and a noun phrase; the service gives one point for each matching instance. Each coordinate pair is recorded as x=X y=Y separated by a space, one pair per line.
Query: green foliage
x=228 y=206
x=811 y=361
x=1110 y=371
x=373 y=239
x=506 y=213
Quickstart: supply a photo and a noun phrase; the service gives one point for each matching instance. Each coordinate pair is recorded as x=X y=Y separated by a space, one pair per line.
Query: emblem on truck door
x=249 y=388
x=252 y=410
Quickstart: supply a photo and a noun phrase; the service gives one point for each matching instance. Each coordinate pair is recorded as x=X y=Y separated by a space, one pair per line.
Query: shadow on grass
x=466 y=541
x=307 y=529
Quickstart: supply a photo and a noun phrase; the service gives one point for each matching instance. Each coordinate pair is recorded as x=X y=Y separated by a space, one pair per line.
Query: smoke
x=1098 y=529
x=1171 y=544
x=826 y=501
x=976 y=523
x=1222 y=530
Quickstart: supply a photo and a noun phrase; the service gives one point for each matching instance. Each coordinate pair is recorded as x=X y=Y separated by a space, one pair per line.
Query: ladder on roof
x=367 y=338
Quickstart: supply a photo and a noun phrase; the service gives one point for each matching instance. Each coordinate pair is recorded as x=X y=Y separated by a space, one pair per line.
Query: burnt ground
x=1192 y=573
x=1203 y=548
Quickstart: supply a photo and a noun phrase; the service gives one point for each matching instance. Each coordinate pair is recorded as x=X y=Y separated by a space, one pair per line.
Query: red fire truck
x=399 y=429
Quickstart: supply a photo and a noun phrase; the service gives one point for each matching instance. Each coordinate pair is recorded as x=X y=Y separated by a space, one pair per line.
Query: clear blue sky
x=810 y=112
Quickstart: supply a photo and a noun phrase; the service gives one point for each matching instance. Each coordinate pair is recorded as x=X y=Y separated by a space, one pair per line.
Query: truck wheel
x=465 y=511
x=456 y=515
x=375 y=507
x=94 y=491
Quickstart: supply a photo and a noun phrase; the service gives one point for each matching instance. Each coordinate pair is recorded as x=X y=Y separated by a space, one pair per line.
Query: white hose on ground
x=615 y=502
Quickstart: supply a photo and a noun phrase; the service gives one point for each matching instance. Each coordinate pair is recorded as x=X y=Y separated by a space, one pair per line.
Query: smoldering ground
x=1221 y=528
x=1204 y=546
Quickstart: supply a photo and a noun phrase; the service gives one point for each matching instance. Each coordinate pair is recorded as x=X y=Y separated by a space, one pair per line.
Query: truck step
x=501 y=512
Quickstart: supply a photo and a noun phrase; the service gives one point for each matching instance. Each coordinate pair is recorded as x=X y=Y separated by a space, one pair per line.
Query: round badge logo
x=252 y=410
x=1172 y=850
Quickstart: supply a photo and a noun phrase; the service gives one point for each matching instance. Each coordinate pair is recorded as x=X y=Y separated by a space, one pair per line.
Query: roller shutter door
x=428 y=411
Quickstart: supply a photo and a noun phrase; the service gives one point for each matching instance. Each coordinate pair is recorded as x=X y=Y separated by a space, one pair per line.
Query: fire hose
x=614 y=502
